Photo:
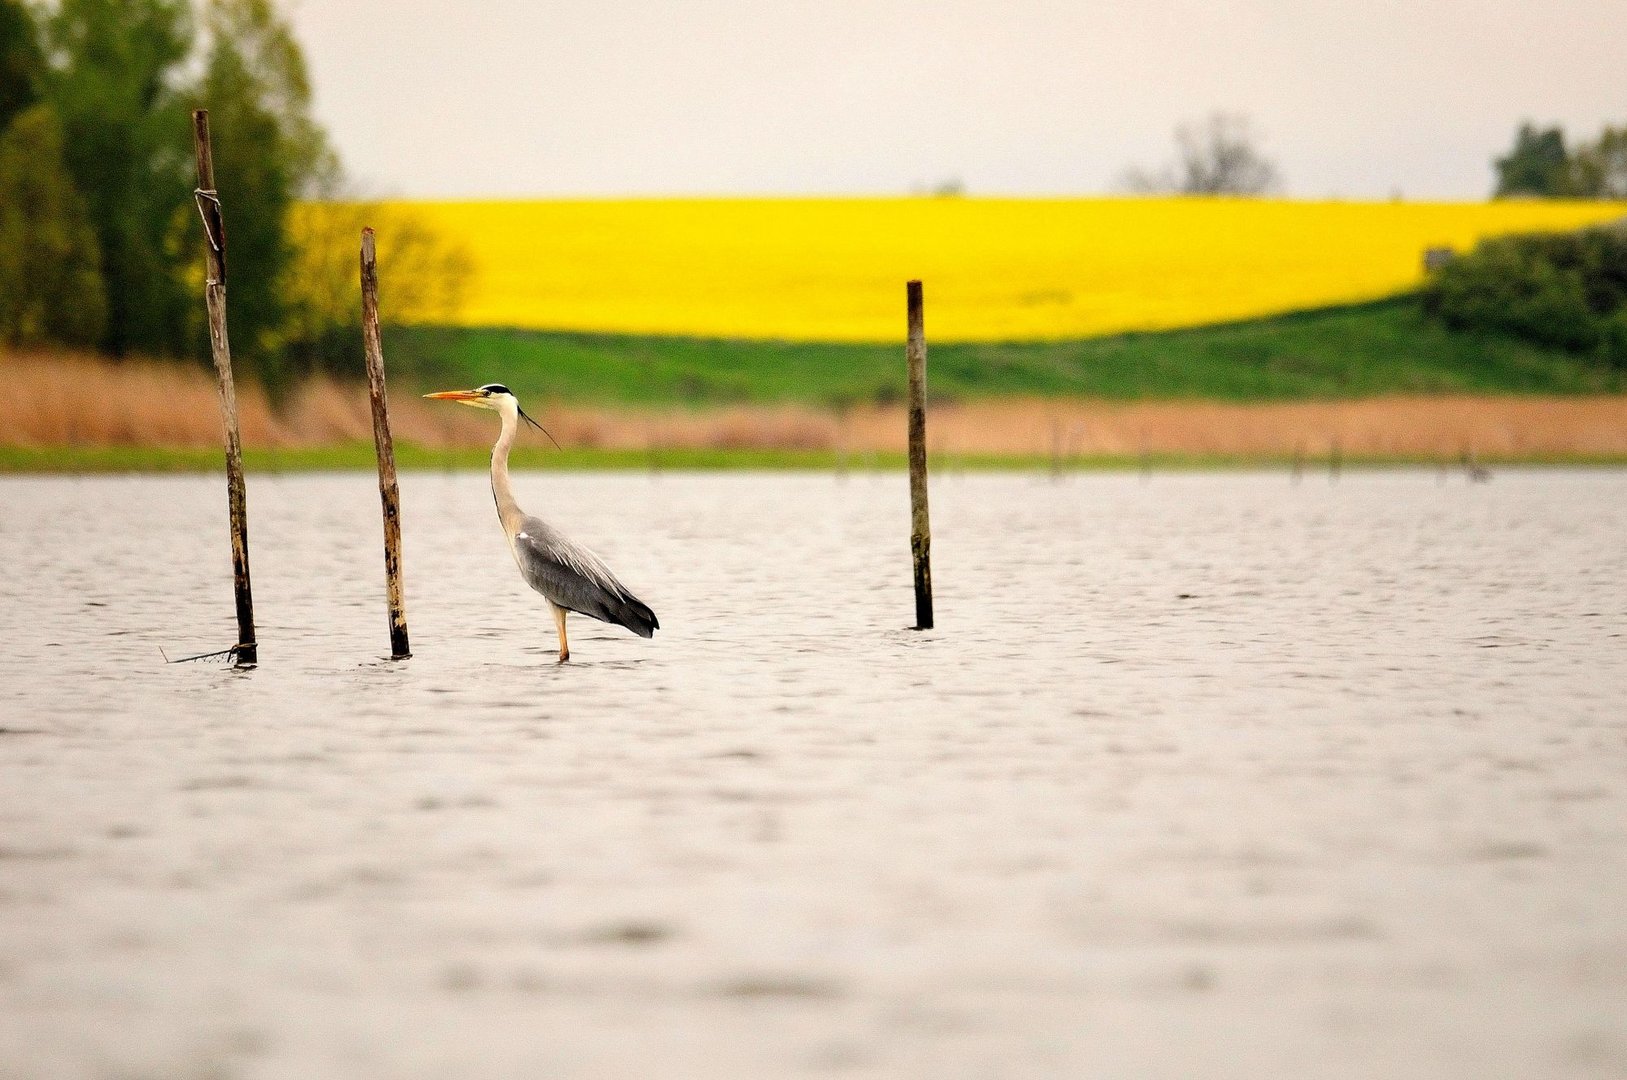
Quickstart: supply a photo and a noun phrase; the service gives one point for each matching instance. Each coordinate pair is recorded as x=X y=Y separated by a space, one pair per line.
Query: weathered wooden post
x=389 y=495
x=246 y=651
x=840 y=407
x=920 y=526
x=1076 y=445
x=1476 y=472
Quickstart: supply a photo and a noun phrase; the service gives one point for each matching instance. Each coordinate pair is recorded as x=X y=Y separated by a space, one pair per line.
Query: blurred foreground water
x=1207 y=776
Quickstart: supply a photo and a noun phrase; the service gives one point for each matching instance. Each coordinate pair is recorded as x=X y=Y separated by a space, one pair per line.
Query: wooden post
x=389 y=495
x=920 y=527
x=214 y=231
x=841 y=446
x=1476 y=472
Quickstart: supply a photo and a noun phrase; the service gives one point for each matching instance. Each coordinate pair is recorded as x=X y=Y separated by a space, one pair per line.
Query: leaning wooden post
x=920 y=527
x=389 y=495
x=214 y=230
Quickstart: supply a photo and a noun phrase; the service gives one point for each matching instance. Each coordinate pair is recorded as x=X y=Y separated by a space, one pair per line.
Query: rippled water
x=1203 y=776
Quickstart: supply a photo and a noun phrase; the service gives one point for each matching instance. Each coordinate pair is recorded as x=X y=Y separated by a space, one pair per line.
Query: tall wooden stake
x=389 y=495
x=214 y=230
x=920 y=526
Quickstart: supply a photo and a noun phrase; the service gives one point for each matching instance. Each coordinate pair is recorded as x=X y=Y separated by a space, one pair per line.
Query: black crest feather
x=527 y=418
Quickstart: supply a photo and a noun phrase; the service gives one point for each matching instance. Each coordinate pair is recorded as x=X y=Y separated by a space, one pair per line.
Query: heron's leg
x=559 y=621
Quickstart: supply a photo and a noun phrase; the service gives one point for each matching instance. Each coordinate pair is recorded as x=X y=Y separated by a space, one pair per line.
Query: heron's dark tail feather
x=633 y=613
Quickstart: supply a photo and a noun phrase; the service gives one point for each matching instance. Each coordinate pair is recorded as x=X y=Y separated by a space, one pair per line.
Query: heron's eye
x=491 y=389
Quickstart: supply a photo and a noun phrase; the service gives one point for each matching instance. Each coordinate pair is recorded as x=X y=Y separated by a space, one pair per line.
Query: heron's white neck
x=508 y=511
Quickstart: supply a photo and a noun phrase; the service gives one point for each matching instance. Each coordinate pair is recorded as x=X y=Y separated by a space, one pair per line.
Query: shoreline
x=109 y=460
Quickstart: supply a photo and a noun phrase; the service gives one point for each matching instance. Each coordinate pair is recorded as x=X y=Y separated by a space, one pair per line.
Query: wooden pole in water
x=389 y=495
x=214 y=230
x=841 y=441
x=920 y=527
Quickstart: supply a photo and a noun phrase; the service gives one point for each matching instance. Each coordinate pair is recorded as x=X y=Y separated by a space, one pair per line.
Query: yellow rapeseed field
x=995 y=269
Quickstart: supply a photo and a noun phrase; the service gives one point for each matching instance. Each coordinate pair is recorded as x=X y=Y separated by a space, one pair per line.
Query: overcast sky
x=1350 y=98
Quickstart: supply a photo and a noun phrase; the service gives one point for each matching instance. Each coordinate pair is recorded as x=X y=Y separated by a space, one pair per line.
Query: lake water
x=1203 y=775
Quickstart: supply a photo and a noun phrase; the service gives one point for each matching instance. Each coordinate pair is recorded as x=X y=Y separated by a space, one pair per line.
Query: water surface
x=1211 y=775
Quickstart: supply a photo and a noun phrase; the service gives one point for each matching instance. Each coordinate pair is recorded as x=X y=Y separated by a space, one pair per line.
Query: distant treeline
x=99 y=238
x=1543 y=165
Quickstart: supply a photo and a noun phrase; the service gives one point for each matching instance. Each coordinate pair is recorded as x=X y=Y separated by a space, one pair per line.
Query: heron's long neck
x=508 y=511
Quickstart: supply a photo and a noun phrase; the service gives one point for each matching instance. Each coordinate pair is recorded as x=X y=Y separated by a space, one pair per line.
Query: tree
x=50 y=266
x=268 y=151
x=1217 y=157
x=1542 y=166
x=113 y=80
x=1539 y=165
x=21 y=63
x=423 y=277
x=298 y=307
x=119 y=77
x=1598 y=170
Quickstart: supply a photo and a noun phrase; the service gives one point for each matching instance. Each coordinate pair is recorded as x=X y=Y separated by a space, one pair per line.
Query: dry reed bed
x=54 y=399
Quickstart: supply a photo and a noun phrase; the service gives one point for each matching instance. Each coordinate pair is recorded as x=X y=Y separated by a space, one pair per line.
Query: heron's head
x=493 y=396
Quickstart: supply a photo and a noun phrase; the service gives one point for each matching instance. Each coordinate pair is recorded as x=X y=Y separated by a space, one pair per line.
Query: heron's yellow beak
x=462 y=397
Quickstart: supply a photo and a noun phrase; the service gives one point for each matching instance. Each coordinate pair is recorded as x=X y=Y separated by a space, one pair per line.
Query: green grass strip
x=1364 y=350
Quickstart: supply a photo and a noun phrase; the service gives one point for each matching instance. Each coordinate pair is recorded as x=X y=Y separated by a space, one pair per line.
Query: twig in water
x=223 y=655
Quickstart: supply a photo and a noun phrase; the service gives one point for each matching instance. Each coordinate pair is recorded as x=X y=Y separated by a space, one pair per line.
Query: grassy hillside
x=1386 y=347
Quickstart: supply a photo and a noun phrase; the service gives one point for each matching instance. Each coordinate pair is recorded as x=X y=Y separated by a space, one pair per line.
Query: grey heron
x=568 y=575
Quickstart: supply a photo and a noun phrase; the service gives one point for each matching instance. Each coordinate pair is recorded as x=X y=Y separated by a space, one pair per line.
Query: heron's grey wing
x=574 y=578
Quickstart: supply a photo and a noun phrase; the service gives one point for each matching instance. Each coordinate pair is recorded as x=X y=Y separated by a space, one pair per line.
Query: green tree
x=1538 y=165
x=114 y=81
x=21 y=63
x=268 y=151
x=423 y=278
x=116 y=75
x=50 y=266
x=1598 y=170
